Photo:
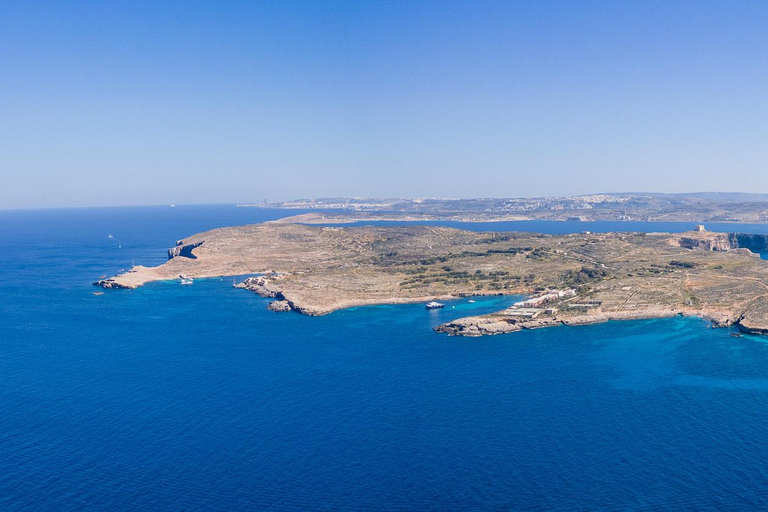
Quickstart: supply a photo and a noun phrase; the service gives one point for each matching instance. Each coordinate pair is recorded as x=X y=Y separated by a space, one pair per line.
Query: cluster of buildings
x=561 y=203
x=545 y=297
x=532 y=307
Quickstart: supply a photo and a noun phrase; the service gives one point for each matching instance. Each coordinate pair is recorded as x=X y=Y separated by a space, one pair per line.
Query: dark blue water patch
x=175 y=397
x=140 y=235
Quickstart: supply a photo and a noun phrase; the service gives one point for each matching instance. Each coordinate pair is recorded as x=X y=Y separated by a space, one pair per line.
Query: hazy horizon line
x=383 y=198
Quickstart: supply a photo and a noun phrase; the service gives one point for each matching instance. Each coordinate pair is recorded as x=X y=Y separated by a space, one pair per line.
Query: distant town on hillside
x=698 y=207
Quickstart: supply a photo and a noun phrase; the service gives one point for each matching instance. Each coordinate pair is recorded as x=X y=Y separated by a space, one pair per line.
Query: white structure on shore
x=529 y=313
x=548 y=296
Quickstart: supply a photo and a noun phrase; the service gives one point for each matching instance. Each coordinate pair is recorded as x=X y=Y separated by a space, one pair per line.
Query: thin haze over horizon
x=207 y=102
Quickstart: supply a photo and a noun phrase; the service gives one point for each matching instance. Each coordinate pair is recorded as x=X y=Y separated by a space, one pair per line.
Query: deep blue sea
x=196 y=398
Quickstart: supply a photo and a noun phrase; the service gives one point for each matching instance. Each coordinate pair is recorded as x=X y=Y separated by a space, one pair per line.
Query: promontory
x=570 y=279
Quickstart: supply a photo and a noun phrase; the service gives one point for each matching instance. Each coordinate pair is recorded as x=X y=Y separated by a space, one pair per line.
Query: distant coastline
x=643 y=207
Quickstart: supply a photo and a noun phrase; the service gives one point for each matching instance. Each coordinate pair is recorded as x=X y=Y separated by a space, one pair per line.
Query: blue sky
x=206 y=102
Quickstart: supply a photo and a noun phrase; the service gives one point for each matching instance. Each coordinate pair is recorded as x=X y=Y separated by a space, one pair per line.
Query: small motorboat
x=98 y=293
x=434 y=305
x=471 y=301
x=736 y=334
x=185 y=280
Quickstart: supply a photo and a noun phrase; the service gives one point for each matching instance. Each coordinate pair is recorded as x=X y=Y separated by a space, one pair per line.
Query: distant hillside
x=686 y=207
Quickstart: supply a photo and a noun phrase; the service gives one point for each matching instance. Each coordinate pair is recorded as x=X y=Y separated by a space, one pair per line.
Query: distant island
x=571 y=279
x=691 y=207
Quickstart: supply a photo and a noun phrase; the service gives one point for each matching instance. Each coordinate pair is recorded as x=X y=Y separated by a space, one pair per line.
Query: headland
x=583 y=278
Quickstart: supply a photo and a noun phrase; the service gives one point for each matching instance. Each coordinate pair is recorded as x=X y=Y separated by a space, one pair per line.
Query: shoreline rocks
x=497 y=324
x=280 y=306
x=112 y=284
x=263 y=286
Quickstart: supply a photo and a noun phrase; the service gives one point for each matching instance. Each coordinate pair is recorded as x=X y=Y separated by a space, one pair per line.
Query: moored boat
x=434 y=305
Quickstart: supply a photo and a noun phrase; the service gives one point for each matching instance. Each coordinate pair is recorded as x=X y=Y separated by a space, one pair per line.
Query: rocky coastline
x=315 y=270
x=498 y=324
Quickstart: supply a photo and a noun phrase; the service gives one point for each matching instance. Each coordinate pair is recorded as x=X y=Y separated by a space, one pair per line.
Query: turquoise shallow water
x=197 y=398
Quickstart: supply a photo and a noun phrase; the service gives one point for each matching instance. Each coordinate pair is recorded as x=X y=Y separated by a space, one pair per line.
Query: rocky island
x=573 y=279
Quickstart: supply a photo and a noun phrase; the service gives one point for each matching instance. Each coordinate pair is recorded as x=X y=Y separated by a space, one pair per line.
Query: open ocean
x=197 y=398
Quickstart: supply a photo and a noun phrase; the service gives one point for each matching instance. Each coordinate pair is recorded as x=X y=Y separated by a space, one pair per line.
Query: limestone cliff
x=722 y=241
x=183 y=250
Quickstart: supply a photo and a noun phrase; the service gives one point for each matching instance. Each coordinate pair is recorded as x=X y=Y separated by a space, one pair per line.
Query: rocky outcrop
x=496 y=324
x=262 y=285
x=755 y=319
x=750 y=328
x=708 y=242
x=112 y=284
x=280 y=306
x=477 y=326
x=755 y=243
x=268 y=286
x=183 y=250
x=721 y=319
x=723 y=242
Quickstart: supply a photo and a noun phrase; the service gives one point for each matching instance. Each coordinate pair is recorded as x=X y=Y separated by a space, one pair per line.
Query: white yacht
x=434 y=305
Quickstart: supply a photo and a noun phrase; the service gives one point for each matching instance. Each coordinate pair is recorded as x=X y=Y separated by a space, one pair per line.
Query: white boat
x=471 y=301
x=186 y=280
x=434 y=305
